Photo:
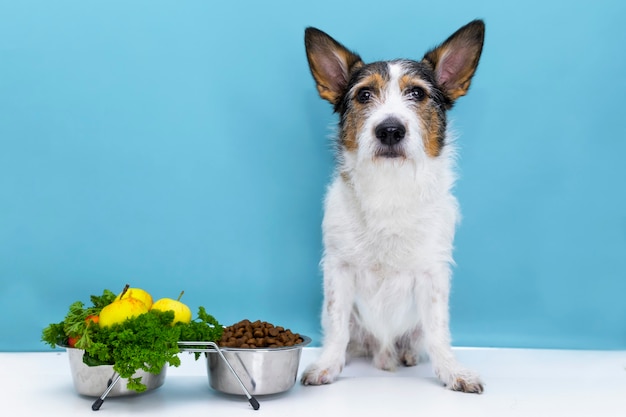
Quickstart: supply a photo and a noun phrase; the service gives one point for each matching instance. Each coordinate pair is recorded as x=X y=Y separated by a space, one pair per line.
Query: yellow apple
x=120 y=310
x=137 y=293
x=182 y=313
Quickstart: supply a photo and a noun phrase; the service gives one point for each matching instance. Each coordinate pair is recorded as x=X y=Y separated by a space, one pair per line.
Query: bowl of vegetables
x=92 y=381
x=126 y=340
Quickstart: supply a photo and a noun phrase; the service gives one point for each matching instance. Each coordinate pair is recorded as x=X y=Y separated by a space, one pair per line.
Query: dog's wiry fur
x=390 y=214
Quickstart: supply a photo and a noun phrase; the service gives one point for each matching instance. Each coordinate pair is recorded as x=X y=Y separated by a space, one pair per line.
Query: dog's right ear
x=331 y=64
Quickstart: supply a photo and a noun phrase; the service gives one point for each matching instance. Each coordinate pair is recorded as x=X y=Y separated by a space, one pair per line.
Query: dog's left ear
x=456 y=59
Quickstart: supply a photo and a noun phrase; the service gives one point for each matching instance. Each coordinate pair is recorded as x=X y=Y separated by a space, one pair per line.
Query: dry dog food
x=258 y=334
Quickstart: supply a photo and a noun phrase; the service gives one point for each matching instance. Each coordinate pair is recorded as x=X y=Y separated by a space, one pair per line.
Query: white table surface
x=518 y=383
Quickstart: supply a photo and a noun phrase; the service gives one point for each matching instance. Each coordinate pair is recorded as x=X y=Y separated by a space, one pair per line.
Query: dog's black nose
x=390 y=131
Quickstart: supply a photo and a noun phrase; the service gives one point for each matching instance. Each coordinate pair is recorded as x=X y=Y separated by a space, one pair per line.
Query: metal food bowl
x=262 y=370
x=92 y=381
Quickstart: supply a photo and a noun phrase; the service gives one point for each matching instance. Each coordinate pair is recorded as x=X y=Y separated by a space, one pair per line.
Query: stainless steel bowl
x=93 y=380
x=263 y=370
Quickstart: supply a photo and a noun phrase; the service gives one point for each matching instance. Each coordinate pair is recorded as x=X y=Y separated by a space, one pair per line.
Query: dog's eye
x=417 y=93
x=363 y=95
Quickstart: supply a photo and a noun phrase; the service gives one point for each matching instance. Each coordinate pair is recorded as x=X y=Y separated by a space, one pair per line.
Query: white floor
x=518 y=383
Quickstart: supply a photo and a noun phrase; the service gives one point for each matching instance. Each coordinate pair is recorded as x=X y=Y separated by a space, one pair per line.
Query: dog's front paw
x=319 y=374
x=385 y=360
x=463 y=381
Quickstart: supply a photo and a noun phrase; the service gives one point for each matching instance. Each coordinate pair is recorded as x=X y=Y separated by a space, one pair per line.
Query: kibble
x=258 y=334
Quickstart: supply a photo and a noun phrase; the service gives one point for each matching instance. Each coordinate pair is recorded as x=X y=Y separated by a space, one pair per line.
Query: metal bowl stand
x=195 y=347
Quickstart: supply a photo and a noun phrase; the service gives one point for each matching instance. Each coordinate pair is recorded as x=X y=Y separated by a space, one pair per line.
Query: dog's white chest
x=391 y=221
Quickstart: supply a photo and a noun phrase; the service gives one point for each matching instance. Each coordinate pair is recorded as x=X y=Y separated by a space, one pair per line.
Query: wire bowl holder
x=194 y=347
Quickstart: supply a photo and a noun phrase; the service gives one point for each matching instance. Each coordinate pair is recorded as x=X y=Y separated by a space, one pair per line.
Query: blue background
x=182 y=146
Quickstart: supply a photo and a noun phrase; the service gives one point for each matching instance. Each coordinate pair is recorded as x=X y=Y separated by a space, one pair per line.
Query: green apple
x=182 y=313
x=120 y=310
x=137 y=293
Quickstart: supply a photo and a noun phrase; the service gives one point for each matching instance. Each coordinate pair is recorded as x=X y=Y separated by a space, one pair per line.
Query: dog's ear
x=456 y=59
x=331 y=64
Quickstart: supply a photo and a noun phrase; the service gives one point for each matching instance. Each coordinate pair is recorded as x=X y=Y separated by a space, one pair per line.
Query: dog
x=389 y=212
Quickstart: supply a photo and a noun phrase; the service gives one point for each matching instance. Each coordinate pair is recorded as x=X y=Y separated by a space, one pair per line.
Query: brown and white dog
x=390 y=214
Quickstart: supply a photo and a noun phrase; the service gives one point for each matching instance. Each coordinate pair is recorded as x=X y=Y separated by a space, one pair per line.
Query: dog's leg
x=338 y=300
x=433 y=294
x=362 y=343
